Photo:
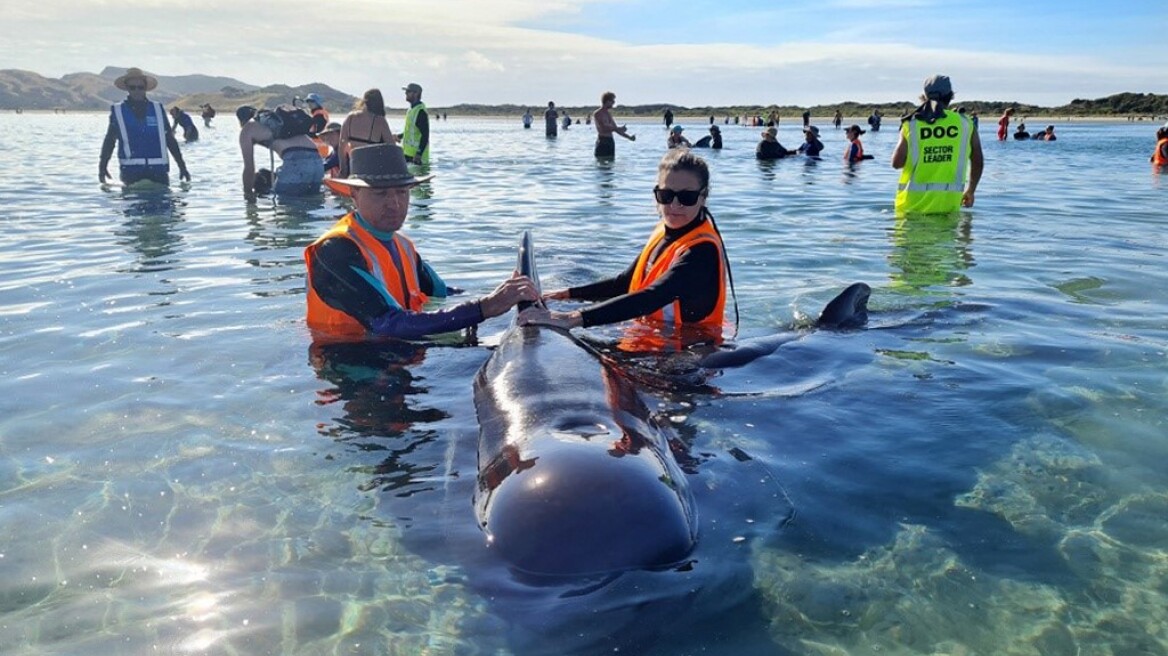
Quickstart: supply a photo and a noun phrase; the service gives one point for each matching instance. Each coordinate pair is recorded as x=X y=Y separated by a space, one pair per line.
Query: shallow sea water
x=979 y=471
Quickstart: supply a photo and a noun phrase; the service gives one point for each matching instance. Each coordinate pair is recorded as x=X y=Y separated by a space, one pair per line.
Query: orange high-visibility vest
x=400 y=281
x=1158 y=157
x=644 y=273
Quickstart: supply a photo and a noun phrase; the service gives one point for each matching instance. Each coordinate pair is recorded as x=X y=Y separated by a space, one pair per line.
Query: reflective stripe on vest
x=933 y=181
x=645 y=273
x=1158 y=157
x=412 y=136
x=394 y=269
x=137 y=138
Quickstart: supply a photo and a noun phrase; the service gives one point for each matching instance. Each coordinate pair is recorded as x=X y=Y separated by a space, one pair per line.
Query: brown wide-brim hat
x=379 y=166
x=134 y=74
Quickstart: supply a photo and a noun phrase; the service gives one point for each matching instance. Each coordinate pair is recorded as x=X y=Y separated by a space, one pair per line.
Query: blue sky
x=690 y=53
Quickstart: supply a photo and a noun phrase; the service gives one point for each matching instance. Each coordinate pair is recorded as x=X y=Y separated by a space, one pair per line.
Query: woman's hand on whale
x=537 y=316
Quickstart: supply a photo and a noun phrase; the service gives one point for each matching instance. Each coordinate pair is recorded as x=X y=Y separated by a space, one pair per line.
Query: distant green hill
x=228 y=98
x=1122 y=104
x=95 y=91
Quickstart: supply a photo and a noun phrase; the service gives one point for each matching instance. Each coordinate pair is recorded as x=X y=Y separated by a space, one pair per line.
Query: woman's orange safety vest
x=859 y=151
x=1158 y=157
x=400 y=279
x=322 y=148
x=645 y=273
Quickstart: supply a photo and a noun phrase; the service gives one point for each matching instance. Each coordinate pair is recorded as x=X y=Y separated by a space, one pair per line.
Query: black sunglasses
x=687 y=197
x=135 y=87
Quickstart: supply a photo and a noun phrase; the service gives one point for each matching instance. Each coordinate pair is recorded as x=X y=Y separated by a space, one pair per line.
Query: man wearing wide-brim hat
x=366 y=279
x=139 y=129
x=769 y=147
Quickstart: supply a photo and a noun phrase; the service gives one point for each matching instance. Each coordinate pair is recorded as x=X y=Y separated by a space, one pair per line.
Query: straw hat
x=136 y=74
x=379 y=166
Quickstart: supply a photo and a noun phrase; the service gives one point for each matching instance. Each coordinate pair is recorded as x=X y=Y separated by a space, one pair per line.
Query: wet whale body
x=847 y=311
x=575 y=476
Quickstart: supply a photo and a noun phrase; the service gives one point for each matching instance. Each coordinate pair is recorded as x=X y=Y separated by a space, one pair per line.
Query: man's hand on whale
x=515 y=289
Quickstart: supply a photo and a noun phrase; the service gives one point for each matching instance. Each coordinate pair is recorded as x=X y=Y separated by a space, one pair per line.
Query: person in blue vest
x=139 y=130
x=415 y=137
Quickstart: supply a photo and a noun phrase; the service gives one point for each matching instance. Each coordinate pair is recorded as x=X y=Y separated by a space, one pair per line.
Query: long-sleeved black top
x=336 y=278
x=694 y=280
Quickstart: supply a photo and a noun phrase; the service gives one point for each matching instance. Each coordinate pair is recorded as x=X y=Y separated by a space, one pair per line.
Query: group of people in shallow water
x=1020 y=133
x=308 y=143
x=367 y=279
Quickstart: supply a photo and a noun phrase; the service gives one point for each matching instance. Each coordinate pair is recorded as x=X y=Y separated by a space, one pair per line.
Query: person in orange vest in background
x=320 y=115
x=678 y=279
x=366 y=279
x=1160 y=157
x=855 y=150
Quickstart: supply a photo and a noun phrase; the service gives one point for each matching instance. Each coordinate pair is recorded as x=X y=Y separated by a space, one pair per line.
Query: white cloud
x=476 y=51
x=476 y=61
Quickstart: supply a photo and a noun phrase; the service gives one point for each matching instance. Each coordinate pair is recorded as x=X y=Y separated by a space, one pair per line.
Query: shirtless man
x=300 y=172
x=606 y=126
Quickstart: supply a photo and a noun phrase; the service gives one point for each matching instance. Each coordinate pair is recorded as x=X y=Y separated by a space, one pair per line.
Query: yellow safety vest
x=933 y=178
x=412 y=136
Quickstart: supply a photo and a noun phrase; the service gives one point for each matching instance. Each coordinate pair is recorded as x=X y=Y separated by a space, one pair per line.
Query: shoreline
x=698 y=120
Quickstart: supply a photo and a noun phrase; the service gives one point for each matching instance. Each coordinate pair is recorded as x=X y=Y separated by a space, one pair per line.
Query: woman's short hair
x=683 y=159
x=372 y=102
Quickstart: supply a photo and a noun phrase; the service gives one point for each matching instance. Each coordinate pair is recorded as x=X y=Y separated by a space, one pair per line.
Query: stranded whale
x=575 y=476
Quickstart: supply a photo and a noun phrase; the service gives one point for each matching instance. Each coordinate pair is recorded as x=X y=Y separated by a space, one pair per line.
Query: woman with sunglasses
x=679 y=278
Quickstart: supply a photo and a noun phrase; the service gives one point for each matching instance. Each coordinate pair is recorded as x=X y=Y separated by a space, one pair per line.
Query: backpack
x=285 y=121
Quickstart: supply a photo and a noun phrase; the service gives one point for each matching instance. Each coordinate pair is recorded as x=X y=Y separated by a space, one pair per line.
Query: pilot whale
x=575 y=476
x=847 y=311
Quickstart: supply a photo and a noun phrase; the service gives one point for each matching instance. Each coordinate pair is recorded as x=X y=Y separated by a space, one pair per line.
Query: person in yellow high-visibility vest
x=415 y=138
x=939 y=155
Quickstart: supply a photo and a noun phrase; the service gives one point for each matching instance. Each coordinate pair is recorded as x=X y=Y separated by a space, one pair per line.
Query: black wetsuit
x=318 y=125
x=694 y=279
x=190 y=132
x=336 y=281
x=771 y=150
